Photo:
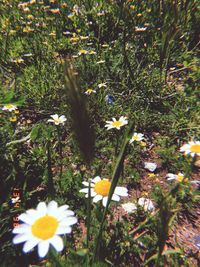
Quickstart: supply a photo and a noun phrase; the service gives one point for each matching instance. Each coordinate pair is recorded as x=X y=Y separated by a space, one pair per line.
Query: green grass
x=150 y=66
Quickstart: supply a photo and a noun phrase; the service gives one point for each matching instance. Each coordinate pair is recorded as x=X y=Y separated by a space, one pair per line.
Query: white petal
x=43 y=248
x=63 y=230
x=129 y=207
x=68 y=221
x=150 y=166
x=96 y=179
x=62 y=208
x=24 y=217
x=57 y=243
x=42 y=208
x=93 y=193
x=59 y=211
x=33 y=214
x=62 y=117
x=185 y=147
x=97 y=198
x=55 y=117
x=146 y=203
x=121 y=191
x=105 y=200
x=53 y=204
x=52 y=207
x=171 y=178
x=21 y=229
x=141 y=201
x=85 y=184
x=64 y=214
x=115 y=197
x=30 y=244
x=20 y=238
x=109 y=127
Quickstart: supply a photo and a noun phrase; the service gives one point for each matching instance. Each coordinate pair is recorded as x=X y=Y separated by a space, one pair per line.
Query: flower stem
x=115 y=178
x=60 y=150
x=88 y=214
x=51 y=189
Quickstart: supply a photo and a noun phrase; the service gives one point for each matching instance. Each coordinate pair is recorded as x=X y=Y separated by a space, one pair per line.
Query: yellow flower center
x=195 y=148
x=102 y=187
x=45 y=227
x=117 y=123
x=9 y=106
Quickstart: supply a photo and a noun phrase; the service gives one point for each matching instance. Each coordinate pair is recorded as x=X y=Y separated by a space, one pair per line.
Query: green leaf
x=172 y=251
x=82 y=252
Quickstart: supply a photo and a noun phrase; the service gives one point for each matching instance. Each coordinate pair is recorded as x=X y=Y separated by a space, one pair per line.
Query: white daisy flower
x=9 y=107
x=100 y=190
x=192 y=148
x=42 y=227
x=116 y=124
x=178 y=177
x=129 y=207
x=150 y=166
x=140 y=29
x=146 y=203
x=57 y=120
x=90 y=91
x=100 y=85
x=136 y=137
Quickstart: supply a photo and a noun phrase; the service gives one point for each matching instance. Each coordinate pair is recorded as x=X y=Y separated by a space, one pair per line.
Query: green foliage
x=144 y=54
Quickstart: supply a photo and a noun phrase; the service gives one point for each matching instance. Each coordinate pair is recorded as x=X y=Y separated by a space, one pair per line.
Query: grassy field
x=99 y=133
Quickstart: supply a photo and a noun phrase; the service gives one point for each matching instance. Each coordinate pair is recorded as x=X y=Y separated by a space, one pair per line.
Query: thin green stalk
x=88 y=221
x=115 y=178
x=60 y=151
x=88 y=214
x=51 y=189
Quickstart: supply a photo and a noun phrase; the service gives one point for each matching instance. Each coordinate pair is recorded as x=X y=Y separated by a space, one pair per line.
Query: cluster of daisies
x=43 y=226
x=192 y=149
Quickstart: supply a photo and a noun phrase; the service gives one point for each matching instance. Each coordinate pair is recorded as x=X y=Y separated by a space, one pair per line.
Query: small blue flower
x=109 y=99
